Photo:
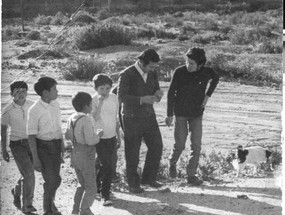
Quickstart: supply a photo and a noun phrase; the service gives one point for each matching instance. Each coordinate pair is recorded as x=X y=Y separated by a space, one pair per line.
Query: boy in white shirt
x=81 y=132
x=14 y=115
x=45 y=139
x=105 y=107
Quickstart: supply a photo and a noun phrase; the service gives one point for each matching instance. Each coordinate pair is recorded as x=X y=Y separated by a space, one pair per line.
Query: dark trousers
x=182 y=126
x=24 y=160
x=134 y=130
x=105 y=150
x=49 y=153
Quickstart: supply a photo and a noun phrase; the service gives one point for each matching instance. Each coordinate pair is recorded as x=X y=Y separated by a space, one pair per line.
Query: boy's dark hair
x=101 y=80
x=80 y=100
x=198 y=55
x=18 y=84
x=149 y=55
x=44 y=83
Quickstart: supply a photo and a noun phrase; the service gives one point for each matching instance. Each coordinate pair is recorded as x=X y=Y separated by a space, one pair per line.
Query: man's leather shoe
x=154 y=184
x=136 y=190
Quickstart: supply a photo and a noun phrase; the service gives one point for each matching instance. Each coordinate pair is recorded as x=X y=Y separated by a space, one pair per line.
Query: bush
x=145 y=32
x=209 y=37
x=98 y=36
x=245 y=67
x=85 y=18
x=270 y=47
x=103 y=14
x=42 y=20
x=255 y=19
x=59 y=19
x=249 y=36
x=11 y=33
x=34 y=35
x=83 y=69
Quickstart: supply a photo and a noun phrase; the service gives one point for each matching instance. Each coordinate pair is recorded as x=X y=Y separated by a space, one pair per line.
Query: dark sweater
x=131 y=87
x=187 y=91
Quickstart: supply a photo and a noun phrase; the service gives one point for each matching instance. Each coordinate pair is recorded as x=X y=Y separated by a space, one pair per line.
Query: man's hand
x=5 y=155
x=100 y=132
x=118 y=143
x=149 y=99
x=169 y=120
x=37 y=165
x=205 y=101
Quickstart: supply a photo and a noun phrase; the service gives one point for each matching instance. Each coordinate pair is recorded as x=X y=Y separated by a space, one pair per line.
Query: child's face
x=19 y=94
x=104 y=90
x=150 y=67
x=191 y=65
x=89 y=108
x=52 y=93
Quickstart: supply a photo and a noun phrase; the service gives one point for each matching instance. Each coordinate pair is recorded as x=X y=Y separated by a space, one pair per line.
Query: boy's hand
x=5 y=155
x=37 y=165
x=149 y=99
x=158 y=94
x=168 y=120
x=100 y=132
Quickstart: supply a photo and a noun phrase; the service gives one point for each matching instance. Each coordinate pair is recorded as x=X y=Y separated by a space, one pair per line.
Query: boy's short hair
x=149 y=55
x=80 y=100
x=198 y=55
x=44 y=83
x=18 y=84
x=101 y=80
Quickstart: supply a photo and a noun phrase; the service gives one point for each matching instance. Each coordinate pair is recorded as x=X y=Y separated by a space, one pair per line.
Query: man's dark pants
x=49 y=153
x=134 y=130
x=24 y=160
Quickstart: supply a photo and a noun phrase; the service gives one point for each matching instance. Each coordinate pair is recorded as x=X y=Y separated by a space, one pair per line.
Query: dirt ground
x=237 y=114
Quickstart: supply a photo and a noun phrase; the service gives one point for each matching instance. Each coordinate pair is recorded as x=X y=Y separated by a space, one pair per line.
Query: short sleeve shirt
x=44 y=120
x=108 y=116
x=15 y=116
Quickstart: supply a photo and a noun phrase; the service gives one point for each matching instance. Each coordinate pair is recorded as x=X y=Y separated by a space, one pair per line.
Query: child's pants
x=50 y=157
x=105 y=149
x=83 y=161
x=24 y=160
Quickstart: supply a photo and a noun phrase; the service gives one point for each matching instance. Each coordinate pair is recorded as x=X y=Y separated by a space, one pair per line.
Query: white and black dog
x=254 y=155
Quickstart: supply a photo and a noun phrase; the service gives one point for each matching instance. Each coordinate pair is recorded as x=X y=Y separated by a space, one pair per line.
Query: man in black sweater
x=138 y=90
x=186 y=99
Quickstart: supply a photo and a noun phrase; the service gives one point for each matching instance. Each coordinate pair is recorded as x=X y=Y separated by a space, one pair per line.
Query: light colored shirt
x=15 y=116
x=83 y=130
x=44 y=120
x=143 y=74
x=108 y=115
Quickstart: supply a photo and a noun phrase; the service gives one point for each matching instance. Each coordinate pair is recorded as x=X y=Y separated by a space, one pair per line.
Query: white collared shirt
x=108 y=115
x=143 y=74
x=44 y=120
x=15 y=116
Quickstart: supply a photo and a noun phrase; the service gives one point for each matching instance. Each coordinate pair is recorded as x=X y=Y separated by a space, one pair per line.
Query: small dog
x=254 y=155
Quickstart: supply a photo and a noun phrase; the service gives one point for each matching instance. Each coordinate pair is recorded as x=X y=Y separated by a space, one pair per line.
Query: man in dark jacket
x=186 y=99
x=138 y=90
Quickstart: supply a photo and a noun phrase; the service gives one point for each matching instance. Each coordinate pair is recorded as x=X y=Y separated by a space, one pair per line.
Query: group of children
x=37 y=143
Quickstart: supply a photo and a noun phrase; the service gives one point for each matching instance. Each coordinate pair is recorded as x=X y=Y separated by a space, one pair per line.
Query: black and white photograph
x=142 y=107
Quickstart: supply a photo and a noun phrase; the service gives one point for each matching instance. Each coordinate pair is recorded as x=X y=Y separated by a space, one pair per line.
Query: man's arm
x=34 y=150
x=5 y=154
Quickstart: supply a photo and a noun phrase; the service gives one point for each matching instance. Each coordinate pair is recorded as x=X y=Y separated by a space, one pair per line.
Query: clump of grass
x=98 y=36
x=270 y=47
x=11 y=33
x=83 y=69
x=59 y=19
x=208 y=37
x=42 y=20
x=85 y=17
x=33 y=35
x=104 y=14
x=245 y=67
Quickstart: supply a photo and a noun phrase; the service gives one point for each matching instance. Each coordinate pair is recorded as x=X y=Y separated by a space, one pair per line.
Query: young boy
x=81 y=132
x=14 y=115
x=105 y=113
x=45 y=139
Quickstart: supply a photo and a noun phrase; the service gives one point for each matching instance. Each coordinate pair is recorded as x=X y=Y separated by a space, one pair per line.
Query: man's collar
x=139 y=68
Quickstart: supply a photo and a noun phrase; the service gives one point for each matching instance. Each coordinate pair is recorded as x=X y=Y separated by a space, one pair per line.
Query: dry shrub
x=42 y=20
